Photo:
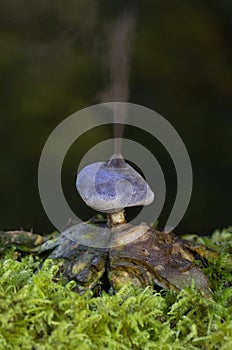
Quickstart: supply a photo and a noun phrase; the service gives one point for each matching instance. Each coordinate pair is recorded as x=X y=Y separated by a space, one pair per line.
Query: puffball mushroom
x=111 y=186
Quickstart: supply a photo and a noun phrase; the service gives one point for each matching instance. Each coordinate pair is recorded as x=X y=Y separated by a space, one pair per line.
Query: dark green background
x=52 y=64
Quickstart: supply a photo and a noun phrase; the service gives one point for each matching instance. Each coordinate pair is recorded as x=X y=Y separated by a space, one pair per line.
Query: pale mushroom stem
x=115 y=219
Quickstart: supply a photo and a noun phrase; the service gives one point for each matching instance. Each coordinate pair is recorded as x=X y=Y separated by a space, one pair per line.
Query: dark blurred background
x=52 y=64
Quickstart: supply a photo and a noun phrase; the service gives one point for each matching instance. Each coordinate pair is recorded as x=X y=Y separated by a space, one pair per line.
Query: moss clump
x=37 y=313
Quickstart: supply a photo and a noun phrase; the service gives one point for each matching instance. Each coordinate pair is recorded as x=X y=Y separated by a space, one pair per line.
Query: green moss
x=37 y=313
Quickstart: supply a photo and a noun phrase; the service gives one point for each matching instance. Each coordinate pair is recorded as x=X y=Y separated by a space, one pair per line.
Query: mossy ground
x=38 y=313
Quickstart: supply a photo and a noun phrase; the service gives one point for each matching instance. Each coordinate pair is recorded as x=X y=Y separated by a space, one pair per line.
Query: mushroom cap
x=113 y=185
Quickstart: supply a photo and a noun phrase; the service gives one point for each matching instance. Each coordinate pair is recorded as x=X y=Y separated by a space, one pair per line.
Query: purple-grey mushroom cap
x=112 y=186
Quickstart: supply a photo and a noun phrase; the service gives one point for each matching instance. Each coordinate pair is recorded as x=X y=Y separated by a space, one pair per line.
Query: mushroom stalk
x=114 y=219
